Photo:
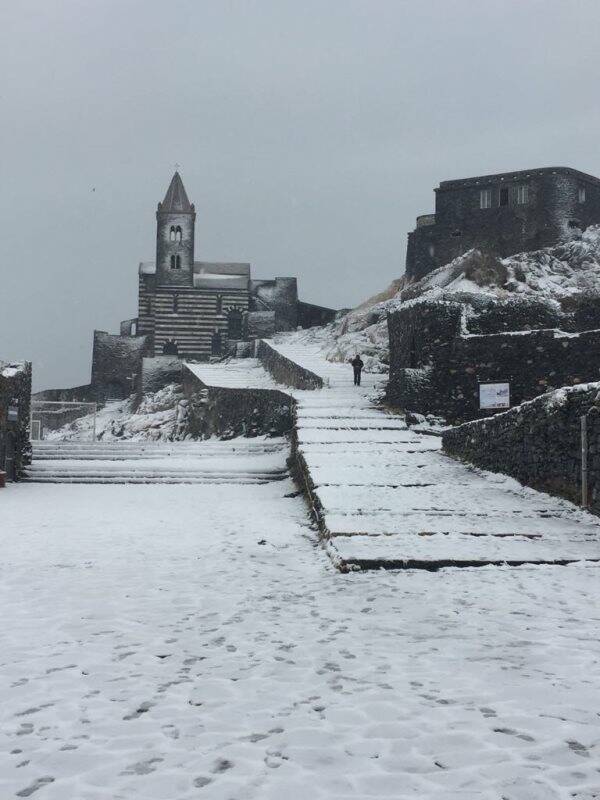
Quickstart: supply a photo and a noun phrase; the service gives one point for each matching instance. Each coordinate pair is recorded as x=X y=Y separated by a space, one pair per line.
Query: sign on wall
x=494 y=395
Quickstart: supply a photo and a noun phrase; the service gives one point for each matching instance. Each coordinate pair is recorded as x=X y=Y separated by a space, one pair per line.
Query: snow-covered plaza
x=195 y=641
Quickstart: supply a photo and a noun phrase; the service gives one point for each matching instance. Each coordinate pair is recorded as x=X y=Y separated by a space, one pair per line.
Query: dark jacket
x=357 y=363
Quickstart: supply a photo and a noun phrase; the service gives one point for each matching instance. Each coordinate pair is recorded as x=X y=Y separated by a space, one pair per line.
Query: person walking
x=357 y=364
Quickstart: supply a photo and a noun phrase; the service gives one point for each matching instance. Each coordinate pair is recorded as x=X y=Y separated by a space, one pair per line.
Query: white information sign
x=494 y=395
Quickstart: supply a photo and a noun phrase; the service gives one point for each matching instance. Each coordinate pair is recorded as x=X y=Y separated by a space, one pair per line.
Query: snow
x=153 y=647
x=11 y=369
x=247 y=373
x=160 y=416
x=385 y=492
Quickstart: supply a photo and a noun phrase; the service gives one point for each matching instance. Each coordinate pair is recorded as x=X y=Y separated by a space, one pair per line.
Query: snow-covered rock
x=161 y=415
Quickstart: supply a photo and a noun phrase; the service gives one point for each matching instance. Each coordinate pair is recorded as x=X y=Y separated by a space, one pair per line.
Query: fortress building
x=505 y=213
x=198 y=309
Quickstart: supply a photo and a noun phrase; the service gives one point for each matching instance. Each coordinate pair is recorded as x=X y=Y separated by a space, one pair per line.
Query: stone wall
x=310 y=315
x=15 y=400
x=158 y=371
x=538 y=443
x=225 y=413
x=117 y=364
x=286 y=371
x=437 y=364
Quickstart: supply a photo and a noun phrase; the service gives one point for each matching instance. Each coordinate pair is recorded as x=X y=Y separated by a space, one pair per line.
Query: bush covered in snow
x=161 y=415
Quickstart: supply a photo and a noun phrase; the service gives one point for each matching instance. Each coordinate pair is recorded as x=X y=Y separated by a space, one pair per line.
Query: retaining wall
x=228 y=412
x=538 y=442
x=286 y=371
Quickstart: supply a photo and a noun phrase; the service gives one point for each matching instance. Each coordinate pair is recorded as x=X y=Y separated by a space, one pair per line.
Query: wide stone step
x=83 y=478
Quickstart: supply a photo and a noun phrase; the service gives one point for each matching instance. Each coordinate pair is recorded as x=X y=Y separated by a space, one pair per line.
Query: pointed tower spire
x=176 y=199
x=175 y=220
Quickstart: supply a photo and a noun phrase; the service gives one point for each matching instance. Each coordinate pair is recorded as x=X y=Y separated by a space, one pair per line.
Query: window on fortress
x=172 y=233
x=175 y=304
x=178 y=234
x=485 y=198
x=581 y=194
x=173 y=262
x=522 y=195
x=177 y=262
x=219 y=309
x=503 y=199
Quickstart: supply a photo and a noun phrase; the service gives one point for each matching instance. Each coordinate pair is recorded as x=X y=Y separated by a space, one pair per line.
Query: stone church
x=188 y=309
x=198 y=309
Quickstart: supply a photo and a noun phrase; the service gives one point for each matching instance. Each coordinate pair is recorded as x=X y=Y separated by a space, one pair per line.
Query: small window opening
x=485 y=198
x=175 y=304
x=431 y=250
x=172 y=233
x=219 y=308
x=503 y=201
x=173 y=263
x=522 y=195
x=581 y=194
x=177 y=262
x=178 y=234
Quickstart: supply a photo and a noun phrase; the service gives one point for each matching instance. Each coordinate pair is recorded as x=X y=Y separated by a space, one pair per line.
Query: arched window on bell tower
x=172 y=234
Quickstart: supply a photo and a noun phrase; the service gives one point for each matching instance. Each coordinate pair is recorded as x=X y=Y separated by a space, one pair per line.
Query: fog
x=309 y=136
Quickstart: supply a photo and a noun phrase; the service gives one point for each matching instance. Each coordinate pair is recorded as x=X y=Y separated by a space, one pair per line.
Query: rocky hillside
x=559 y=277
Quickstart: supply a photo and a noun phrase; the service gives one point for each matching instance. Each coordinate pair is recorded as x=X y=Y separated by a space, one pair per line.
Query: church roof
x=176 y=199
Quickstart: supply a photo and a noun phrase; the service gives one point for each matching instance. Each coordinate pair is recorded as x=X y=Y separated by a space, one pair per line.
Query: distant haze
x=310 y=134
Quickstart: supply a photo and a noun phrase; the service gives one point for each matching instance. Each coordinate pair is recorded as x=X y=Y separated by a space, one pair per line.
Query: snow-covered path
x=154 y=647
x=386 y=494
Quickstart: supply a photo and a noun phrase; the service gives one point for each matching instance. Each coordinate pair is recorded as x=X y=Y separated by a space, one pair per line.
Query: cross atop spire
x=176 y=199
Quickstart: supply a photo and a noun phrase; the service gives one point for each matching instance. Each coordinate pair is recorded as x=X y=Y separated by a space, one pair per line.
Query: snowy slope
x=160 y=416
x=557 y=274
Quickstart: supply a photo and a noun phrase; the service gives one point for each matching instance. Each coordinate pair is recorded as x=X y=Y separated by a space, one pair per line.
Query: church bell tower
x=175 y=219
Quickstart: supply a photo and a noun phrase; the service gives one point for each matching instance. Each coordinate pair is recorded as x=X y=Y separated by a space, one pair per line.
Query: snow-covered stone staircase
x=385 y=495
x=248 y=462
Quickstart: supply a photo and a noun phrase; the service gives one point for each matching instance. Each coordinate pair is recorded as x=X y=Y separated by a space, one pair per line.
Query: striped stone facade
x=189 y=317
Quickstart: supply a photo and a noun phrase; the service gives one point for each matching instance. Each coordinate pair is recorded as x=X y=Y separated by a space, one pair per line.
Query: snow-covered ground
x=175 y=642
x=159 y=417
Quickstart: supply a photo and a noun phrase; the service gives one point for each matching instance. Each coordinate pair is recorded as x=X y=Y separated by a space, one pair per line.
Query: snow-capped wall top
x=9 y=369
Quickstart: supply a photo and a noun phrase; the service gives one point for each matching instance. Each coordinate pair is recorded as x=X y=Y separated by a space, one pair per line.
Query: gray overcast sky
x=310 y=134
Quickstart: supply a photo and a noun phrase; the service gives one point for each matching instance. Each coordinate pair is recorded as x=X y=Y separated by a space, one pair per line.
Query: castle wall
x=551 y=213
x=538 y=443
